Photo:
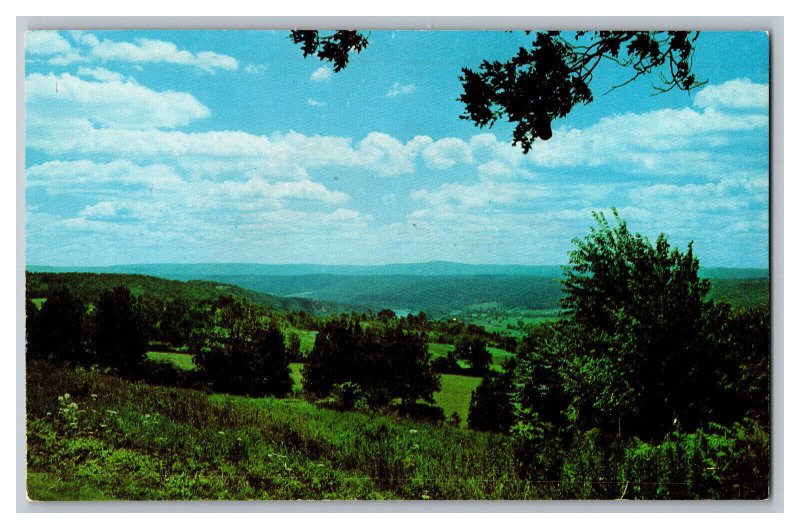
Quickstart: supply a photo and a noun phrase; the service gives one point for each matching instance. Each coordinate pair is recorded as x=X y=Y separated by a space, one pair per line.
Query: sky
x=229 y=146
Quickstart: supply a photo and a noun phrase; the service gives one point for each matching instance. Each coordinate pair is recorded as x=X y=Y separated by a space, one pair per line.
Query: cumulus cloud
x=734 y=94
x=99 y=74
x=666 y=141
x=100 y=209
x=59 y=51
x=155 y=51
x=315 y=103
x=323 y=73
x=112 y=103
x=400 y=89
x=46 y=43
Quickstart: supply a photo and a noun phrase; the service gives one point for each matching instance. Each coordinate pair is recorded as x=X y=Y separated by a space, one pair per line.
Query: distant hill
x=435 y=287
x=90 y=286
x=204 y=270
x=432 y=268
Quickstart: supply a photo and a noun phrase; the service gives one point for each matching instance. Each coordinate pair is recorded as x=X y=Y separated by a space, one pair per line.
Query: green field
x=456 y=394
x=181 y=360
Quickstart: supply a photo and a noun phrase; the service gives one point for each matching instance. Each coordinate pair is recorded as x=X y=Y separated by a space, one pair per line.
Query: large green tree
x=637 y=353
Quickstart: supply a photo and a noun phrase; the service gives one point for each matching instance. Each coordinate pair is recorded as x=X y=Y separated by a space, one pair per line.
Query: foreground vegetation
x=96 y=436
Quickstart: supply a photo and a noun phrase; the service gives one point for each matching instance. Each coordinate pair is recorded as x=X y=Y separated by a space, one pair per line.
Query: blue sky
x=228 y=146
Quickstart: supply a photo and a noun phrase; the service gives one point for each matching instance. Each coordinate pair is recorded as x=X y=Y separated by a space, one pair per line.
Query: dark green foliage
x=57 y=331
x=293 y=352
x=345 y=396
x=335 y=47
x=744 y=370
x=385 y=361
x=472 y=350
x=641 y=358
x=242 y=355
x=546 y=81
x=119 y=332
x=490 y=408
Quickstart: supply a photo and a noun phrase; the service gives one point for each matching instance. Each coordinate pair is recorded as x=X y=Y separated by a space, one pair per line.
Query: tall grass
x=136 y=441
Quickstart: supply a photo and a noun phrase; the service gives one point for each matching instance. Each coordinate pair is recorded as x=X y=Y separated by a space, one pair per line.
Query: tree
x=119 y=337
x=57 y=331
x=642 y=357
x=546 y=81
x=472 y=349
x=248 y=357
x=490 y=408
x=387 y=362
x=293 y=349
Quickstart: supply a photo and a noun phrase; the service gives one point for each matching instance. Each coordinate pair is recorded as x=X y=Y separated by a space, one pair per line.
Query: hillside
x=89 y=287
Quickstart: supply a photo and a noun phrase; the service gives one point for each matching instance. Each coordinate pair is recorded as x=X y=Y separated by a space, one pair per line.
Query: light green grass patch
x=43 y=486
x=38 y=302
x=456 y=394
x=181 y=360
x=297 y=377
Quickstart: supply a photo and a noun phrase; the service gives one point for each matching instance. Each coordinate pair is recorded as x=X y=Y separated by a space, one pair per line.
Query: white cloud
x=115 y=103
x=400 y=89
x=100 y=209
x=447 y=152
x=100 y=74
x=255 y=69
x=155 y=51
x=315 y=103
x=45 y=42
x=482 y=194
x=667 y=141
x=735 y=94
x=323 y=73
x=86 y=176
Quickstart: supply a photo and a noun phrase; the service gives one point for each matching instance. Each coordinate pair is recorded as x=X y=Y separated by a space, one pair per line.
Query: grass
x=135 y=441
x=456 y=394
x=43 y=486
x=441 y=349
x=180 y=360
x=297 y=378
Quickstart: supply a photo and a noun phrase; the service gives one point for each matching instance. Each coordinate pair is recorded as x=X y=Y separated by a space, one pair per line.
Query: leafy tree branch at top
x=547 y=80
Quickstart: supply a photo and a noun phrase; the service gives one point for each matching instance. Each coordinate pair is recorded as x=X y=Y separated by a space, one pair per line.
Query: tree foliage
x=334 y=47
x=242 y=354
x=57 y=330
x=386 y=361
x=472 y=349
x=547 y=80
x=642 y=350
x=490 y=408
x=119 y=332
